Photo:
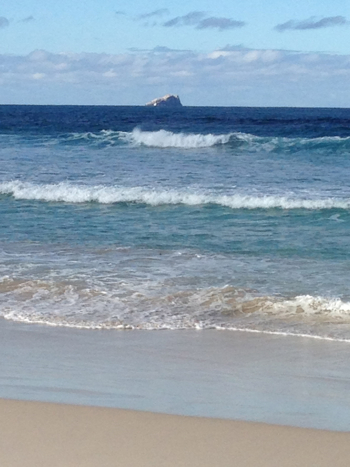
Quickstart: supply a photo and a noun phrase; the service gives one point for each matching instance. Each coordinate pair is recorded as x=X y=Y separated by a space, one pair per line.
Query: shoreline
x=39 y=433
x=226 y=375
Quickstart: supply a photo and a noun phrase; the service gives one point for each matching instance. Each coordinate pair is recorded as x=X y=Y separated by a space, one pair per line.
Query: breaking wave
x=223 y=308
x=249 y=142
x=167 y=139
x=70 y=193
x=157 y=139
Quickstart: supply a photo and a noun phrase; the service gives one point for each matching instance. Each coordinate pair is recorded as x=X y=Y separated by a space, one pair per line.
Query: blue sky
x=210 y=53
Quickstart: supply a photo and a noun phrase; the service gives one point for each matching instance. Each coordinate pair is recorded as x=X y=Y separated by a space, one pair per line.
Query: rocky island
x=169 y=100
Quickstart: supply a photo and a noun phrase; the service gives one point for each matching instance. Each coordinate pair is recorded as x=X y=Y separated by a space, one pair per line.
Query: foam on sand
x=147 y=307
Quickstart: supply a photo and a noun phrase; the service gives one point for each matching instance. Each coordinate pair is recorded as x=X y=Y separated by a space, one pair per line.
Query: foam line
x=70 y=193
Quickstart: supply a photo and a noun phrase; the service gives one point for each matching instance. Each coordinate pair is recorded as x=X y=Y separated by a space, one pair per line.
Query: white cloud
x=38 y=75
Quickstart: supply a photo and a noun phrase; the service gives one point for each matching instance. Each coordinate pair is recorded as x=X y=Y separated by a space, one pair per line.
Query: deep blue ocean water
x=202 y=217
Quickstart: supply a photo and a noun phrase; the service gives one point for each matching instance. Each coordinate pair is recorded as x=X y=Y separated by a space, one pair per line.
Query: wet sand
x=253 y=377
x=216 y=377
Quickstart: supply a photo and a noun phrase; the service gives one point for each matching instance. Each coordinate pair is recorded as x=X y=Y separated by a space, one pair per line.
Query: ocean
x=193 y=218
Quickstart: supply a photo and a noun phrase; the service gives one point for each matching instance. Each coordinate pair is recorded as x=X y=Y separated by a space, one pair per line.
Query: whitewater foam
x=168 y=139
x=104 y=194
x=222 y=308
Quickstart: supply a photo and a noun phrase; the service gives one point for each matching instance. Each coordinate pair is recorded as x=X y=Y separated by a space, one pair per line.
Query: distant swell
x=70 y=193
x=248 y=142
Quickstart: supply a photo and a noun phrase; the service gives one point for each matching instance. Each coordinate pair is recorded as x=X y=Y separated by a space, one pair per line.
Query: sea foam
x=168 y=139
x=104 y=194
x=225 y=308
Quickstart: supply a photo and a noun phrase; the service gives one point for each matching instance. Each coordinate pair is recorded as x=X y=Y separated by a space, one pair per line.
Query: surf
x=132 y=306
x=105 y=194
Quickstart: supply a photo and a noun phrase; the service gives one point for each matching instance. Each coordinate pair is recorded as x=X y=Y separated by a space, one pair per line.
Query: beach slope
x=36 y=434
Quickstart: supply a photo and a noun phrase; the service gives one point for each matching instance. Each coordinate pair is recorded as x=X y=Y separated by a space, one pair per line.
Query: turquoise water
x=132 y=217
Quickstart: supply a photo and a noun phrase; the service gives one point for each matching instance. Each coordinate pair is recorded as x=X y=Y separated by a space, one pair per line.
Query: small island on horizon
x=169 y=100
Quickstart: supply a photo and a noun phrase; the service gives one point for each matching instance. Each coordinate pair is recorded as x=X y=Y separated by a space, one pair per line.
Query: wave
x=246 y=141
x=237 y=140
x=221 y=308
x=157 y=139
x=167 y=139
x=70 y=193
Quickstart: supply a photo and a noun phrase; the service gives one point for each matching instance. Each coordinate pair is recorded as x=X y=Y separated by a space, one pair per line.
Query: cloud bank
x=229 y=76
x=312 y=23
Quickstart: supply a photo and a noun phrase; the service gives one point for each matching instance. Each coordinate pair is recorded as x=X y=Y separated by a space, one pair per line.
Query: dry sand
x=36 y=434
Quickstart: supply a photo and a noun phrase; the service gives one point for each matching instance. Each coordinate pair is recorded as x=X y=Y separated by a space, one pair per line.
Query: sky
x=228 y=52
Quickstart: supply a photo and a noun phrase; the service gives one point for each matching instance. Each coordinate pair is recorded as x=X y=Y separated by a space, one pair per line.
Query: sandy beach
x=36 y=434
